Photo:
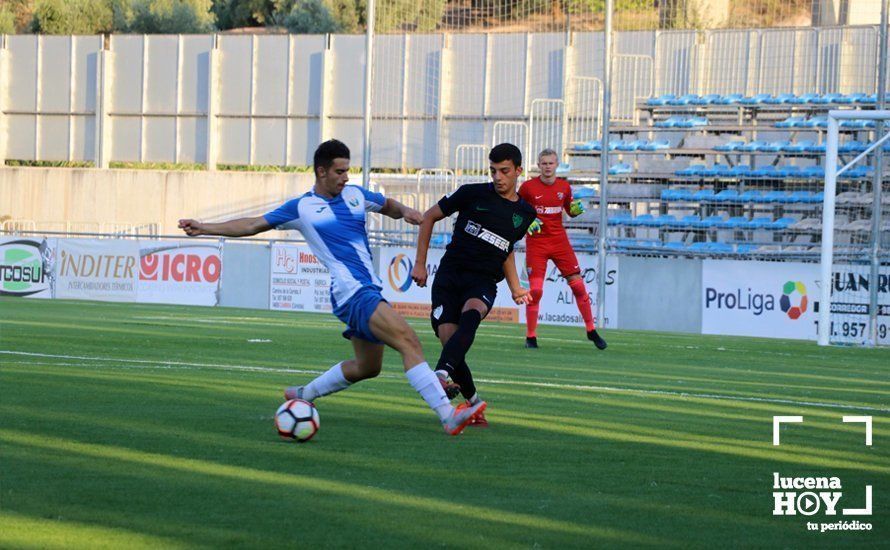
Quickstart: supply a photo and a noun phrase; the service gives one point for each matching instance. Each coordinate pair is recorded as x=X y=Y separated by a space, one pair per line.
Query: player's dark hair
x=506 y=151
x=327 y=152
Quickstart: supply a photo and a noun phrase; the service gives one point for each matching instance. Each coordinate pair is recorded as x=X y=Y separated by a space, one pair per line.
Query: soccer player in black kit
x=491 y=219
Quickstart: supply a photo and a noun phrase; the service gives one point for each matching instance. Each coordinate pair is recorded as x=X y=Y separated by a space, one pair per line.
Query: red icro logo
x=180 y=267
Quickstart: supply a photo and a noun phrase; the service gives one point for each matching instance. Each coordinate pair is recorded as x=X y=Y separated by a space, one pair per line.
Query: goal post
x=852 y=268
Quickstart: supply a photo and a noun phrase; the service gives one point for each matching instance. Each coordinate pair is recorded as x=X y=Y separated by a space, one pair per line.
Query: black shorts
x=452 y=289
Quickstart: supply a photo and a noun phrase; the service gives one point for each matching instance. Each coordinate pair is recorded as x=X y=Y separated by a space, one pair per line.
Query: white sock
x=330 y=382
x=474 y=399
x=427 y=385
x=442 y=374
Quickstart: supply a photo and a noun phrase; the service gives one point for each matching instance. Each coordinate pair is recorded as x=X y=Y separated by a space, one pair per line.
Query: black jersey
x=486 y=229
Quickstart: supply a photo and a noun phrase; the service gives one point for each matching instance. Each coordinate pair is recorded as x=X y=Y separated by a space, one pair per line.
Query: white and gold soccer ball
x=297 y=419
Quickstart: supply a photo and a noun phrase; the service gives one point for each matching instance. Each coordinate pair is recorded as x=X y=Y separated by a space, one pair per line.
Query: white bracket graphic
x=867 y=421
x=861 y=511
x=778 y=421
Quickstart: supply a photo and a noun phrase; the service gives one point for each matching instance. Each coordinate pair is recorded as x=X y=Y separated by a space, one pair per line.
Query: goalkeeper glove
x=576 y=208
x=535 y=227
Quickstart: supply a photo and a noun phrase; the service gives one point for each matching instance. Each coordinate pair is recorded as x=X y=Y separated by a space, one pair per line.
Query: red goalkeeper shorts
x=538 y=251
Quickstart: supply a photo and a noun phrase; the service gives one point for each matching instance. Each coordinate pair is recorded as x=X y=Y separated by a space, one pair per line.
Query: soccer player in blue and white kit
x=331 y=218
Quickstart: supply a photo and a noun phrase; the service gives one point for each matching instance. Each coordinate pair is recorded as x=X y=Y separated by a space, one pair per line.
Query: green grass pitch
x=151 y=426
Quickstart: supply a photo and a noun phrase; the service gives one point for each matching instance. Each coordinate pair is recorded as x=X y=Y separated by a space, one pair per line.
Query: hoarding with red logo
x=185 y=273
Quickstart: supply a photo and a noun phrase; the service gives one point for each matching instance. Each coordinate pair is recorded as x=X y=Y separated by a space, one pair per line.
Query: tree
x=7 y=20
x=310 y=17
x=232 y=14
x=72 y=17
x=164 y=16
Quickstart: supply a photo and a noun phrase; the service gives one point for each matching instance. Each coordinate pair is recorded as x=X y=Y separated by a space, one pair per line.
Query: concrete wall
x=48 y=195
x=659 y=294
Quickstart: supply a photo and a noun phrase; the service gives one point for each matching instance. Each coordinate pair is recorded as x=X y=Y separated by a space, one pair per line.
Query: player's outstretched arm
x=520 y=295
x=241 y=227
x=430 y=217
x=396 y=210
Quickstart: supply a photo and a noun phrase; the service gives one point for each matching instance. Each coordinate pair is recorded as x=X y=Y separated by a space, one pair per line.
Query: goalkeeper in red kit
x=547 y=240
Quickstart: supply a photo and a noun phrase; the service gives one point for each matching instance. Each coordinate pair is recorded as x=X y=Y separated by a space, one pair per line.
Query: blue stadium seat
x=752 y=146
x=583 y=192
x=820 y=148
x=710 y=222
x=700 y=247
x=751 y=195
x=441 y=239
x=798 y=146
x=670 y=122
x=704 y=195
x=729 y=99
x=727 y=195
x=779 y=197
x=765 y=172
x=829 y=98
x=736 y=222
x=815 y=122
x=676 y=195
x=729 y=146
x=745 y=248
x=852 y=146
x=644 y=219
x=724 y=170
x=858 y=172
x=855 y=98
x=619 y=169
x=756 y=99
x=586 y=146
x=715 y=170
x=632 y=145
x=818 y=198
x=859 y=124
x=665 y=220
x=706 y=99
x=780 y=99
x=801 y=197
x=683 y=100
x=781 y=223
x=720 y=248
x=694 y=122
x=791 y=122
x=620 y=219
x=691 y=170
x=760 y=222
x=773 y=146
x=656 y=145
x=689 y=221
x=813 y=172
x=740 y=171
x=660 y=100
x=789 y=171
x=563 y=168
x=870 y=99
x=674 y=245
x=804 y=99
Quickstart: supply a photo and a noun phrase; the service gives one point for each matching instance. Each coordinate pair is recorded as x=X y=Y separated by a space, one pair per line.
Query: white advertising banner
x=558 y=305
x=299 y=281
x=185 y=273
x=412 y=301
x=106 y=270
x=850 y=287
x=769 y=299
x=26 y=267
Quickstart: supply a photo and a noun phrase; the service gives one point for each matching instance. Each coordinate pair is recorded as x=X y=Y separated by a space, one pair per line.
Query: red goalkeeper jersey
x=550 y=201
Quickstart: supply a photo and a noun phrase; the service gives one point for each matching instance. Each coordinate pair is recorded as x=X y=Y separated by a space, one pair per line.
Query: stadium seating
x=694 y=195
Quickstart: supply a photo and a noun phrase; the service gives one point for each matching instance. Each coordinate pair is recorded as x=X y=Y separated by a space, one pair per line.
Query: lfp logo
x=794 y=299
x=400 y=273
